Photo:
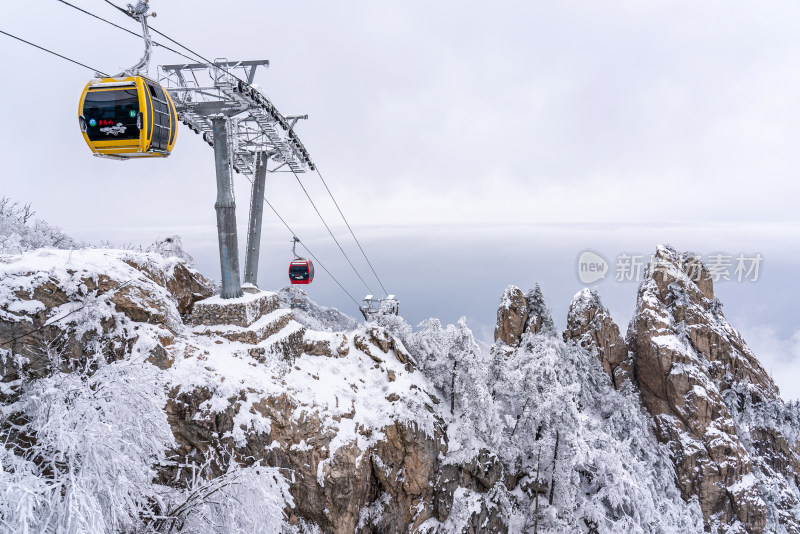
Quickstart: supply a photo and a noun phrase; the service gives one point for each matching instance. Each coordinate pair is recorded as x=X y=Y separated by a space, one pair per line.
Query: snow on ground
x=353 y=395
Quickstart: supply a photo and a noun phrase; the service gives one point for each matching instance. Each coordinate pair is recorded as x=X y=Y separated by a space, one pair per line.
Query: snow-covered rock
x=713 y=402
x=520 y=313
x=344 y=415
x=81 y=302
x=590 y=324
x=312 y=315
x=512 y=316
x=271 y=413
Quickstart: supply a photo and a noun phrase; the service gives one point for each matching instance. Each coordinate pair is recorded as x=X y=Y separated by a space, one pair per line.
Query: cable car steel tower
x=250 y=137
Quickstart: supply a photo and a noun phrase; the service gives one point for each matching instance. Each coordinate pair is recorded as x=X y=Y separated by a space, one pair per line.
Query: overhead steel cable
x=331 y=233
x=361 y=248
x=54 y=53
x=309 y=251
x=165 y=47
x=165 y=36
x=268 y=203
x=278 y=215
x=100 y=18
x=351 y=231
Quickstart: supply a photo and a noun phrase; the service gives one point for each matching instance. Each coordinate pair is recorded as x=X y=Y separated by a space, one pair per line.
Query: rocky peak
x=590 y=325
x=670 y=266
x=693 y=370
x=520 y=313
x=677 y=299
x=512 y=316
x=531 y=433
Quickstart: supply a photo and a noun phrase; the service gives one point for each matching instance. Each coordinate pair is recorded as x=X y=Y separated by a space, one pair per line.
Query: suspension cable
x=54 y=53
x=361 y=248
x=351 y=231
x=331 y=233
x=309 y=251
x=125 y=29
x=165 y=36
x=98 y=71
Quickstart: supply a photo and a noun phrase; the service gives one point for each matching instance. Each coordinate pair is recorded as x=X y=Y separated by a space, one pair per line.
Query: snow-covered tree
x=453 y=362
x=81 y=448
x=19 y=231
x=430 y=347
x=243 y=500
x=172 y=247
x=85 y=445
x=471 y=401
x=540 y=319
x=593 y=446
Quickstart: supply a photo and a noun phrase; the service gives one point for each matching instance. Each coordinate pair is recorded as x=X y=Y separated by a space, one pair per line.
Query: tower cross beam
x=247 y=132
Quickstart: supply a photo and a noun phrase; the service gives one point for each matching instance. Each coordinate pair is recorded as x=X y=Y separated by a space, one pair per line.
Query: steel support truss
x=219 y=97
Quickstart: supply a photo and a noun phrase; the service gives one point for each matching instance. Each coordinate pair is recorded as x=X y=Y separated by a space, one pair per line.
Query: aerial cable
x=100 y=18
x=361 y=248
x=208 y=61
x=309 y=252
x=306 y=248
x=331 y=233
x=54 y=53
x=126 y=29
x=175 y=42
x=204 y=59
x=351 y=231
x=98 y=71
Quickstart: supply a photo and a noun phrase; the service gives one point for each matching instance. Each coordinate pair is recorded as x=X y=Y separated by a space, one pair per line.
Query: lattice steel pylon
x=249 y=135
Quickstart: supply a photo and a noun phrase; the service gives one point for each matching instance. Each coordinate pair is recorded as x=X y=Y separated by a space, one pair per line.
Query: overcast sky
x=471 y=145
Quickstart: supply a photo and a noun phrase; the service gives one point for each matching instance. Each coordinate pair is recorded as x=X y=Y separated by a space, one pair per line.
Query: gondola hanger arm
x=295 y=241
x=140 y=13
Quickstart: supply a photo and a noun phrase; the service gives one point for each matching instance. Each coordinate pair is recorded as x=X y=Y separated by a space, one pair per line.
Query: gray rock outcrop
x=695 y=374
x=362 y=434
x=520 y=313
x=591 y=326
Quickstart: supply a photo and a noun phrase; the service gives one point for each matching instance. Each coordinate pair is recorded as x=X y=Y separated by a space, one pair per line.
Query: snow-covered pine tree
x=19 y=231
x=471 y=401
x=540 y=319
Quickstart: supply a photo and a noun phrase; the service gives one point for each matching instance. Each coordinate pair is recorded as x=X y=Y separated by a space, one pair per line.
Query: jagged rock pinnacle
x=694 y=371
x=591 y=326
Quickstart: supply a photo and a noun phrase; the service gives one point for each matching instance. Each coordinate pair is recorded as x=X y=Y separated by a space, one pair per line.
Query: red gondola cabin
x=301 y=272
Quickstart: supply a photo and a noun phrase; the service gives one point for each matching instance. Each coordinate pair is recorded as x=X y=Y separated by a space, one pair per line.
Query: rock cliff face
x=345 y=414
x=733 y=442
x=590 y=325
x=78 y=301
x=378 y=428
x=521 y=313
x=696 y=375
x=512 y=316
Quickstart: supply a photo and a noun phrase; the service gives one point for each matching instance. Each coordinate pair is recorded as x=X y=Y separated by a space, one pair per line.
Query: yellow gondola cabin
x=131 y=117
